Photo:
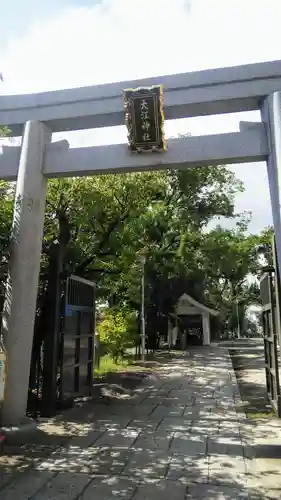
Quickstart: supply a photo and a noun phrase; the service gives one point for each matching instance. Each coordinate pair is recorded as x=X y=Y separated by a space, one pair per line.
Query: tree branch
x=112 y=227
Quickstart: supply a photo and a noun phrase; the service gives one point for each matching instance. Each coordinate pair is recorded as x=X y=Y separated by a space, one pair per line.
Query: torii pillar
x=24 y=267
x=271 y=116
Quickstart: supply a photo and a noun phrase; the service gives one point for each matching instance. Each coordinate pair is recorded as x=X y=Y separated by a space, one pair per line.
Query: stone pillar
x=170 y=334
x=271 y=116
x=175 y=335
x=183 y=337
x=206 y=328
x=22 y=284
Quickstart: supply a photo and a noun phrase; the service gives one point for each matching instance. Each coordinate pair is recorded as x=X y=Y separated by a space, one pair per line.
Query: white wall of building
x=184 y=307
x=206 y=328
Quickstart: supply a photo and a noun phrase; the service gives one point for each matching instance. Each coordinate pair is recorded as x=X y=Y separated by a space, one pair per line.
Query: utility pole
x=143 y=261
x=238 y=320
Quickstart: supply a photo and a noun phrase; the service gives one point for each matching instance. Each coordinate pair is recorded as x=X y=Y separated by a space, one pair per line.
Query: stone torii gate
x=36 y=116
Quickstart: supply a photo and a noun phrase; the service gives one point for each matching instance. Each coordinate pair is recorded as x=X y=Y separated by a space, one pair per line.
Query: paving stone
x=118 y=438
x=206 y=428
x=153 y=441
x=206 y=403
x=181 y=397
x=114 y=422
x=110 y=488
x=172 y=386
x=125 y=451
x=64 y=486
x=164 y=490
x=226 y=400
x=147 y=464
x=75 y=460
x=156 y=400
x=188 y=468
x=87 y=440
x=109 y=460
x=11 y=465
x=140 y=399
x=162 y=411
x=202 y=393
x=212 y=492
x=227 y=470
x=186 y=394
x=159 y=392
x=141 y=424
x=223 y=415
x=264 y=474
x=195 y=412
x=225 y=446
x=202 y=397
x=172 y=424
x=26 y=485
x=188 y=445
x=121 y=408
x=246 y=429
x=5 y=476
x=144 y=410
x=227 y=428
x=265 y=494
x=171 y=401
x=93 y=460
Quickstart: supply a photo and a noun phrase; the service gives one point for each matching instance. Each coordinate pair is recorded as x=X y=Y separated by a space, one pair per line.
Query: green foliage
x=106 y=222
x=6 y=216
x=4 y=132
x=7 y=193
x=102 y=224
x=117 y=331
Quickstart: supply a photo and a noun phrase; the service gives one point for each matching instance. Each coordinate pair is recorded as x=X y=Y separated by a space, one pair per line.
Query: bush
x=117 y=331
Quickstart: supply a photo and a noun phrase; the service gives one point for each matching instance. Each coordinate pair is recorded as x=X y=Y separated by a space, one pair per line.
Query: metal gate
x=270 y=339
x=77 y=338
x=63 y=365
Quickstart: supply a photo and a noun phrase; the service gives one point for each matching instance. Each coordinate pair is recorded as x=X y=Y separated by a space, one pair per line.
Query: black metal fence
x=77 y=338
x=63 y=366
x=270 y=339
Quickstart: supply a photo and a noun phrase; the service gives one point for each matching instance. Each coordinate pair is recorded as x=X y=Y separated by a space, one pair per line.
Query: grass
x=108 y=365
x=128 y=363
x=259 y=415
x=253 y=394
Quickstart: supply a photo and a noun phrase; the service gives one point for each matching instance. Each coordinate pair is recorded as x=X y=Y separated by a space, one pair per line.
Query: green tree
x=97 y=227
x=117 y=331
x=7 y=193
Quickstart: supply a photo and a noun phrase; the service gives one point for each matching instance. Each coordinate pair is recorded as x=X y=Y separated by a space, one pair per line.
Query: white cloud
x=121 y=39
x=84 y=46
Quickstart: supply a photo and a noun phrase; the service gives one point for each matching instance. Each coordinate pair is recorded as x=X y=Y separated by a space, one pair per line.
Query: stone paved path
x=180 y=438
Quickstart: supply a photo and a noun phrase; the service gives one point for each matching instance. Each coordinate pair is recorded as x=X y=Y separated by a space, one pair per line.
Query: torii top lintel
x=214 y=91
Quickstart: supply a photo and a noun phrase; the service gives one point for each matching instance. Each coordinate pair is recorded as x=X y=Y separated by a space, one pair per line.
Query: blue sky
x=53 y=44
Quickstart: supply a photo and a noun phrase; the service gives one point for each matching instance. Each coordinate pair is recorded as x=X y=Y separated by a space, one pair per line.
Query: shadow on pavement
x=176 y=434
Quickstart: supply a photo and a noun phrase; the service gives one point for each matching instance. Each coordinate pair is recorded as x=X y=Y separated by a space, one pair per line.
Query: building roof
x=197 y=304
